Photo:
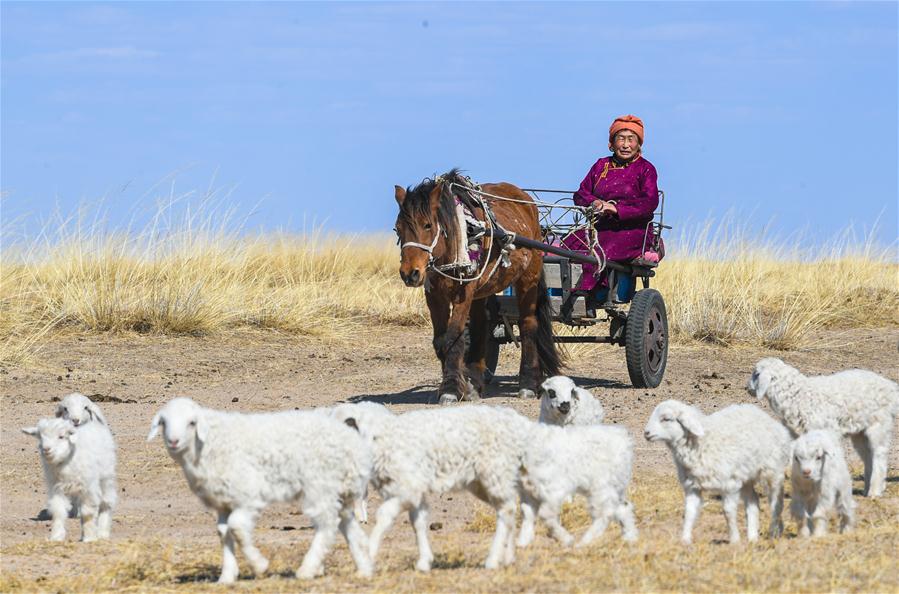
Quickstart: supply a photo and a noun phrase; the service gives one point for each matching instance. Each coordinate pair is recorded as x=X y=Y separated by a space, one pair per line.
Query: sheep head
x=364 y=417
x=56 y=438
x=79 y=409
x=810 y=454
x=560 y=394
x=766 y=371
x=674 y=421
x=183 y=425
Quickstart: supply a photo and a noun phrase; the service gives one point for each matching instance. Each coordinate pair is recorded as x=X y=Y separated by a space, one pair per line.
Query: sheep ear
x=577 y=393
x=94 y=411
x=154 y=426
x=400 y=194
x=202 y=429
x=762 y=382
x=58 y=411
x=72 y=435
x=30 y=431
x=690 y=424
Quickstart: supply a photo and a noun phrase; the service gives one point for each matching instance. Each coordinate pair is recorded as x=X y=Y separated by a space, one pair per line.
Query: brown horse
x=428 y=231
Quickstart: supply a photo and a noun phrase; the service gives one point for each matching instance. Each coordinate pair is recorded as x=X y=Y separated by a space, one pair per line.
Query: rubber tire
x=647 y=316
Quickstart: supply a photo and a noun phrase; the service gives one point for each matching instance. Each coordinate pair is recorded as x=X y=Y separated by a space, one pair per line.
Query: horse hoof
x=524 y=393
x=448 y=399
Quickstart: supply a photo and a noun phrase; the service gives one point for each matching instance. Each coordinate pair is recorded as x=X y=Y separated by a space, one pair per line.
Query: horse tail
x=551 y=360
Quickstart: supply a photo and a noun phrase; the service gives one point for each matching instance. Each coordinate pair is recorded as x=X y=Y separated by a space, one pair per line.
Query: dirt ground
x=133 y=375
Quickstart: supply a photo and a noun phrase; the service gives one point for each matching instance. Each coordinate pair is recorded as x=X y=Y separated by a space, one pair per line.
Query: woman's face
x=625 y=145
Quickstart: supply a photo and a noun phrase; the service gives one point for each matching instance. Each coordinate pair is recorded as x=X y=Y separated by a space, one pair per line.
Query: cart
x=637 y=319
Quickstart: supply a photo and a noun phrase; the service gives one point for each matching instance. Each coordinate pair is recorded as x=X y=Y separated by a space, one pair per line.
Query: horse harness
x=470 y=197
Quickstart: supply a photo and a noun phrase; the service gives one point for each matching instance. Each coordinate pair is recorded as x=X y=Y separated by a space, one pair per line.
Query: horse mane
x=418 y=203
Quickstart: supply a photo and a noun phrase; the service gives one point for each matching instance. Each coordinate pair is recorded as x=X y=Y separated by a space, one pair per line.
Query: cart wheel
x=646 y=339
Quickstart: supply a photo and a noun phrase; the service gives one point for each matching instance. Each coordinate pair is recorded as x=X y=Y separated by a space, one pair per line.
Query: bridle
x=428 y=248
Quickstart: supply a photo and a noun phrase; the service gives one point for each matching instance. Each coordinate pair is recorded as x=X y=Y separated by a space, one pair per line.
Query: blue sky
x=783 y=112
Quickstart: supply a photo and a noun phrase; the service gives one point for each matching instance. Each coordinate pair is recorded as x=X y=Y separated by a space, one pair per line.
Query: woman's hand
x=603 y=208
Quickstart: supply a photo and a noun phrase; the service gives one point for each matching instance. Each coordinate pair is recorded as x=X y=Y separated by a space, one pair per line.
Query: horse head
x=426 y=227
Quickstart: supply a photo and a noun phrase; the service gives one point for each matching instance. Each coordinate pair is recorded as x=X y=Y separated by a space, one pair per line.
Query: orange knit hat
x=626 y=122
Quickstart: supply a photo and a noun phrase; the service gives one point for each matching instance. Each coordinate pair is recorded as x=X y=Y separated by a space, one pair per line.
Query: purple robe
x=634 y=189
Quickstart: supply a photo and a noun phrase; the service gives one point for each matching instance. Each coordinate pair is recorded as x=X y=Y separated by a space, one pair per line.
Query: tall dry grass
x=197 y=273
x=726 y=285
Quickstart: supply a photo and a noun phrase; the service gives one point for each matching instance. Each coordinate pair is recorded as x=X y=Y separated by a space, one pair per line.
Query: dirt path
x=133 y=375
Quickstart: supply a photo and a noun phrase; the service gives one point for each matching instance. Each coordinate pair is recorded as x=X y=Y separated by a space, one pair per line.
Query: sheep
x=79 y=468
x=239 y=463
x=79 y=409
x=563 y=403
x=821 y=481
x=855 y=402
x=727 y=452
x=424 y=452
x=592 y=460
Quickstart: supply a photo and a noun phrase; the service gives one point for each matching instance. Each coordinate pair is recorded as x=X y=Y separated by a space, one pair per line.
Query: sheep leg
x=241 y=524
x=776 y=503
x=229 y=559
x=879 y=437
x=418 y=517
x=104 y=521
x=356 y=541
x=845 y=507
x=692 y=507
x=731 y=503
x=624 y=515
x=387 y=513
x=360 y=509
x=860 y=444
x=797 y=510
x=549 y=513
x=819 y=522
x=89 y=521
x=751 y=505
x=505 y=524
x=528 y=512
x=58 y=506
x=326 y=524
x=601 y=510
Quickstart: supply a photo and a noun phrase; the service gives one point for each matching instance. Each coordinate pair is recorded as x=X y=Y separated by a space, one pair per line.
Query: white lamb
x=435 y=451
x=727 y=452
x=821 y=482
x=594 y=461
x=79 y=409
x=563 y=403
x=239 y=463
x=856 y=402
x=79 y=468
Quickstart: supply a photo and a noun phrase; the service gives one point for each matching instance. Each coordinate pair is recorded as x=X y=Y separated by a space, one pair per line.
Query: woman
x=622 y=190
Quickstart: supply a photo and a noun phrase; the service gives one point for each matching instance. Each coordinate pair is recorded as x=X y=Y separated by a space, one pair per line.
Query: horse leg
x=439 y=308
x=529 y=371
x=454 y=384
x=477 y=348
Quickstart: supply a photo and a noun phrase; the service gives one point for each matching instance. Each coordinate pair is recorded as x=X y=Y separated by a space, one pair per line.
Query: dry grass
x=727 y=287
x=863 y=561
x=195 y=276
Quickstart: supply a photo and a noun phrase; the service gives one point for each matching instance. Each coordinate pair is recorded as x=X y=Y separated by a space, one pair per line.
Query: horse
x=428 y=231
